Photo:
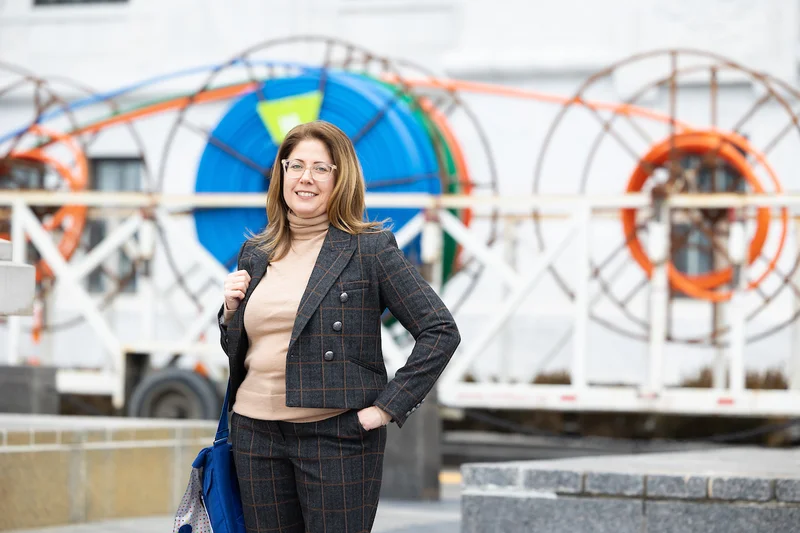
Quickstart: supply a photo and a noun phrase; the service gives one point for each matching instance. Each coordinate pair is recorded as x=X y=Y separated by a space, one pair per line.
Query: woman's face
x=305 y=193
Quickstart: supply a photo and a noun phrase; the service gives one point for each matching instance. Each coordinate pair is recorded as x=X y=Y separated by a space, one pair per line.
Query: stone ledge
x=710 y=475
x=511 y=511
x=614 y=484
x=690 y=517
x=43 y=430
x=516 y=514
x=58 y=470
x=746 y=490
x=559 y=481
x=741 y=489
x=677 y=487
x=787 y=490
x=495 y=475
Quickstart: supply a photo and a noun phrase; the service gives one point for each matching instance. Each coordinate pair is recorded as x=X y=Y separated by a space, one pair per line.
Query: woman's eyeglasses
x=294 y=169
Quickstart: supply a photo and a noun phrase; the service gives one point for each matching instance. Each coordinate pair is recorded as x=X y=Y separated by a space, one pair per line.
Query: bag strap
x=222 y=427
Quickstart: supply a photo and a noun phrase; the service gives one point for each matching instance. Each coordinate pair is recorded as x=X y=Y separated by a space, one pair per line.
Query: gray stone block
x=560 y=481
x=678 y=487
x=741 y=488
x=747 y=490
x=482 y=475
x=787 y=490
x=523 y=512
x=696 y=517
x=614 y=484
x=28 y=390
x=413 y=458
x=5 y=250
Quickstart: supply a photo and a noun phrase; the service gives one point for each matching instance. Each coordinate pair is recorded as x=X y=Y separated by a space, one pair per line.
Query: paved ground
x=393 y=517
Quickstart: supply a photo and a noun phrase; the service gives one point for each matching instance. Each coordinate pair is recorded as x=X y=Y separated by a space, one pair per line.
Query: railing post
x=582 y=275
x=18 y=282
x=737 y=251
x=507 y=338
x=431 y=249
x=794 y=362
x=658 y=249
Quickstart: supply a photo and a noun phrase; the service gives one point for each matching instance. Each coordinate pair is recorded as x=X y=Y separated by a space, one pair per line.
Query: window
x=697 y=255
x=72 y=2
x=111 y=174
x=21 y=174
x=26 y=175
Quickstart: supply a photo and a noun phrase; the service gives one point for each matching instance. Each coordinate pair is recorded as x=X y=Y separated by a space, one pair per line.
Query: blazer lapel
x=256 y=265
x=336 y=251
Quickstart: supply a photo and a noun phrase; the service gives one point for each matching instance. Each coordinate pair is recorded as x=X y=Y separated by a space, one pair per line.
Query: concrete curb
x=750 y=490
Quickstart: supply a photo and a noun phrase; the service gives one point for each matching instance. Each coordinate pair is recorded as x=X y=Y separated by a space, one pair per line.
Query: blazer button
x=343 y=297
x=337 y=326
x=328 y=355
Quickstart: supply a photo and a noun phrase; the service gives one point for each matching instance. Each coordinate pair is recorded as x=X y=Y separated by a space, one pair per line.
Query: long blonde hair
x=346 y=204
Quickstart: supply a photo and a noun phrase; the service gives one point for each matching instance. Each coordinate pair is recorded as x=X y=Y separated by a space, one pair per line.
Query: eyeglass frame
x=286 y=171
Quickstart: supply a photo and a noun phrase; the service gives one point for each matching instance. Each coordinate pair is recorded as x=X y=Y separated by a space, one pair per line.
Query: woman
x=301 y=324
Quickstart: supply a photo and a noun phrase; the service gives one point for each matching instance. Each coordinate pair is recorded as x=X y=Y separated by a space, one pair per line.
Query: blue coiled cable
x=395 y=148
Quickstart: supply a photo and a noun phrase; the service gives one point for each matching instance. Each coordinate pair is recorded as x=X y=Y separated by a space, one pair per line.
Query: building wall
x=550 y=47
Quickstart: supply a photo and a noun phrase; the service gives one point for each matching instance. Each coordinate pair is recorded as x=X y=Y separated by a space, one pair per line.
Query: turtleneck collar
x=304 y=229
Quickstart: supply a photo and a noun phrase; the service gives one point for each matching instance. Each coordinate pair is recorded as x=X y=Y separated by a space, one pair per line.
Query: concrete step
x=735 y=490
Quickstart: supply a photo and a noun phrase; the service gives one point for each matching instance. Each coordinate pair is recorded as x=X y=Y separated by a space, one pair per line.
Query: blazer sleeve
x=420 y=310
x=223 y=328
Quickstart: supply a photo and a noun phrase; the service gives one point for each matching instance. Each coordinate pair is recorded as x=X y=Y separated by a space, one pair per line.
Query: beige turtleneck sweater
x=268 y=321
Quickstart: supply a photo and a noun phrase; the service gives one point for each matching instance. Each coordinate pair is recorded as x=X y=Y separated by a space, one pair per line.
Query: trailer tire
x=175 y=393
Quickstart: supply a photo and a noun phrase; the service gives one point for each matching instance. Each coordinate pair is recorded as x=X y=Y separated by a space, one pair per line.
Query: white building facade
x=548 y=47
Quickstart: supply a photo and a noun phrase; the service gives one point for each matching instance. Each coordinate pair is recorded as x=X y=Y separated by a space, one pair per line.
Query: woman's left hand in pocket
x=373 y=417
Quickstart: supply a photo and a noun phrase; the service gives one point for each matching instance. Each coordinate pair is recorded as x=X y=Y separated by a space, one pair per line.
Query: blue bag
x=214 y=473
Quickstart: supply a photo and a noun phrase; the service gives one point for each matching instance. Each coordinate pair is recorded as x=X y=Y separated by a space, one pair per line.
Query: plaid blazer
x=334 y=357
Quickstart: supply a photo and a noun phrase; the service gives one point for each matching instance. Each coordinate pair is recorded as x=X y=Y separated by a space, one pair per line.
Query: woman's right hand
x=236 y=284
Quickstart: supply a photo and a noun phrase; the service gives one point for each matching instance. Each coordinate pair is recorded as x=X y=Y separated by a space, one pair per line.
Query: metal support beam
x=461 y=362
x=87 y=306
x=109 y=245
x=410 y=229
x=456 y=229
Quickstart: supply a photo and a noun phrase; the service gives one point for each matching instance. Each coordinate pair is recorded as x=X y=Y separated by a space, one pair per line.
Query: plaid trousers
x=309 y=477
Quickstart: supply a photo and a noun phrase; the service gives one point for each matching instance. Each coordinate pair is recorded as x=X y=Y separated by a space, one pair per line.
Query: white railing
x=454 y=390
